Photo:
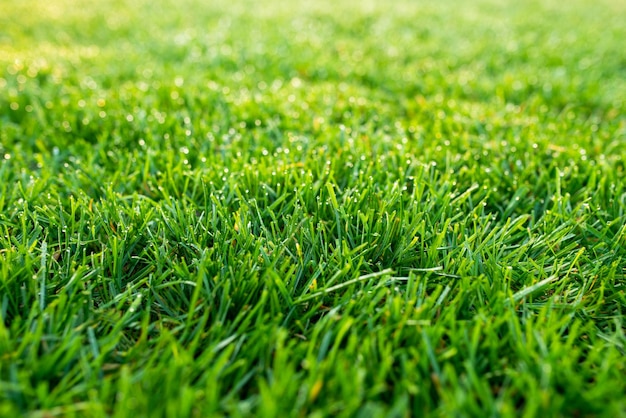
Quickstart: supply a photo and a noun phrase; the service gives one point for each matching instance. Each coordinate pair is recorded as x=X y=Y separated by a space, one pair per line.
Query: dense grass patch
x=310 y=208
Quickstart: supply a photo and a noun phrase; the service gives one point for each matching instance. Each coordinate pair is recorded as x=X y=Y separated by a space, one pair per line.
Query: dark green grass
x=332 y=209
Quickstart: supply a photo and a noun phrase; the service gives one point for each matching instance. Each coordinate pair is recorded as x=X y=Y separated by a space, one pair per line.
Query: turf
x=312 y=208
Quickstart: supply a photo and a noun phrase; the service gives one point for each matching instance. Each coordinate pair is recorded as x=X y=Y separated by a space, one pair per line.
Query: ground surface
x=294 y=208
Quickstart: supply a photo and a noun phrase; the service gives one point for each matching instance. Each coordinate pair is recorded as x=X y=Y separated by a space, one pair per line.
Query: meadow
x=312 y=208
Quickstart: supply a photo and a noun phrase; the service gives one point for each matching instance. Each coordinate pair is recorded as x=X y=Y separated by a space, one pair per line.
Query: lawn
x=312 y=208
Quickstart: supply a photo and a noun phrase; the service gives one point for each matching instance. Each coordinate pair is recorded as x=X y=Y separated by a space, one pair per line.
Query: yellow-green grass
x=312 y=208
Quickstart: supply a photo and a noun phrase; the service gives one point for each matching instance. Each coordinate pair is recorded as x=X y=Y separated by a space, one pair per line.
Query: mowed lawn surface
x=319 y=208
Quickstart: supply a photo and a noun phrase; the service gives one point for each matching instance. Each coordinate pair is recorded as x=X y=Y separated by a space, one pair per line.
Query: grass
x=310 y=208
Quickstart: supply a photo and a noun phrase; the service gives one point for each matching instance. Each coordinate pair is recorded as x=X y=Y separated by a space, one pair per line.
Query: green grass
x=309 y=208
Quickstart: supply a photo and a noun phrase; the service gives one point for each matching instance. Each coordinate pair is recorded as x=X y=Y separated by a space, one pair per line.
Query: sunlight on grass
x=312 y=208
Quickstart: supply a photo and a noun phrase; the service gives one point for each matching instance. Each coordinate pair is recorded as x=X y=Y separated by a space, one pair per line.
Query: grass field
x=320 y=208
